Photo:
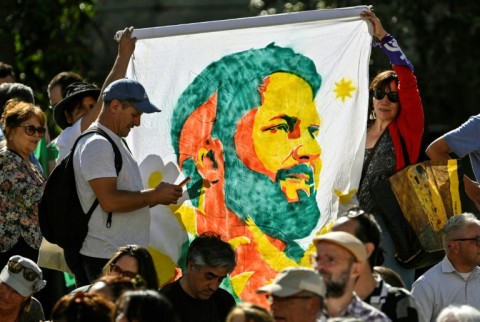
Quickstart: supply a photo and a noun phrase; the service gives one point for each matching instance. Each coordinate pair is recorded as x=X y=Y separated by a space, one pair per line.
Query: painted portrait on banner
x=245 y=132
x=270 y=136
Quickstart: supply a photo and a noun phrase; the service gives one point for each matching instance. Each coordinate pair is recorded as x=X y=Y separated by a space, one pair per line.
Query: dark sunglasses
x=392 y=96
x=28 y=273
x=31 y=130
x=476 y=239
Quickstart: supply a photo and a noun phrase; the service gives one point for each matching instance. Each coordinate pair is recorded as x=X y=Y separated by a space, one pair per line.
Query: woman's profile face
x=385 y=105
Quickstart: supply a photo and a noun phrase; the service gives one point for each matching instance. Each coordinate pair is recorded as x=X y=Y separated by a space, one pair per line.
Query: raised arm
x=387 y=42
x=126 y=47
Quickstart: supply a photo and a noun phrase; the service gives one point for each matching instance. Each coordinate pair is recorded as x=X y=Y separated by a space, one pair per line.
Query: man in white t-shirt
x=123 y=195
x=76 y=112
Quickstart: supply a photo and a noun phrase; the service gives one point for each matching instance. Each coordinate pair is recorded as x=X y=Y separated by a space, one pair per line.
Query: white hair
x=462 y=313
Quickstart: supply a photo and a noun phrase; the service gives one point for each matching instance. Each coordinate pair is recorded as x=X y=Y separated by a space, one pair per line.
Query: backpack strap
x=118 y=166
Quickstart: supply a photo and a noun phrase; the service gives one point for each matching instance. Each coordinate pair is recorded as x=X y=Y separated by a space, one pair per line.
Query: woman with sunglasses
x=21 y=182
x=394 y=131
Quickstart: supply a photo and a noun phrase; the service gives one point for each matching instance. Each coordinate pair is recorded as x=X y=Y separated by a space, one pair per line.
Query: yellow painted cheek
x=271 y=150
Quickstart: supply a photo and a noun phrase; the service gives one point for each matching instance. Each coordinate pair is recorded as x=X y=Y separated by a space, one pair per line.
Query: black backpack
x=60 y=214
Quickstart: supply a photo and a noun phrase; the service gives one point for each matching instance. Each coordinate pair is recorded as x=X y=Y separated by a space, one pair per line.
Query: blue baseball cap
x=126 y=89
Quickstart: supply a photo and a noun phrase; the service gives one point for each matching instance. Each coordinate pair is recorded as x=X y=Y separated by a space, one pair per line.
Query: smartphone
x=185 y=181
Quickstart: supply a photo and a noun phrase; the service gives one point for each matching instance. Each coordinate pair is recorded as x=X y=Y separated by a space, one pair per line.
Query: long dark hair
x=146 y=268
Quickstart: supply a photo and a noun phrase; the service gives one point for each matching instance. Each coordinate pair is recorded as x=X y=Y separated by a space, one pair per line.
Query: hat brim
x=145 y=107
x=278 y=290
x=59 y=109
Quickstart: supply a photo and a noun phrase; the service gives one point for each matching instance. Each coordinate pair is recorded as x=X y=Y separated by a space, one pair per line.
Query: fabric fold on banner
x=242 y=23
x=269 y=122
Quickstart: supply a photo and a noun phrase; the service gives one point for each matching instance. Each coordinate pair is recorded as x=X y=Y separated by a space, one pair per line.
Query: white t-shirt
x=94 y=158
x=65 y=141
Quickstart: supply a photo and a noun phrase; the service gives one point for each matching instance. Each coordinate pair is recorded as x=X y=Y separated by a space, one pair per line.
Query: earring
x=372 y=116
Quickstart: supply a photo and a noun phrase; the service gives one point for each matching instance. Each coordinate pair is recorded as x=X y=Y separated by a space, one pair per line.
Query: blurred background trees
x=43 y=37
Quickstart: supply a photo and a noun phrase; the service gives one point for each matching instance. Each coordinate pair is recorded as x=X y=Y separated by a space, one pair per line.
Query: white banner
x=268 y=116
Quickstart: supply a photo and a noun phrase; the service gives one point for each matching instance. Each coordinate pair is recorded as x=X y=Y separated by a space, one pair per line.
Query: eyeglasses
x=392 y=96
x=118 y=271
x=279 y=299
x=28 y=273
x=31 y=130
x=476 y=239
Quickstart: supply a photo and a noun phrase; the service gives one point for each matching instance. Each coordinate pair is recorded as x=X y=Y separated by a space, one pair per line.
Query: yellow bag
x=415 y=204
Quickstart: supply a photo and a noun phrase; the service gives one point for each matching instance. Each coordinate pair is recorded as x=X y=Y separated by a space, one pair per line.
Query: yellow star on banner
x=344 y=89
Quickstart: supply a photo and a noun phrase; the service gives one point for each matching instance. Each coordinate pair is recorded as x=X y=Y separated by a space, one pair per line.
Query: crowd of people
x=355 y=276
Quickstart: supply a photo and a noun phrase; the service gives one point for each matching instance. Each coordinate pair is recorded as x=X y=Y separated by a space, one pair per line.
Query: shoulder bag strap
x=118 y=166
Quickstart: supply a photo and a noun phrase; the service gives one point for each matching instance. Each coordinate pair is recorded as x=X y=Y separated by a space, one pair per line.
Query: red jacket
x=409 y=123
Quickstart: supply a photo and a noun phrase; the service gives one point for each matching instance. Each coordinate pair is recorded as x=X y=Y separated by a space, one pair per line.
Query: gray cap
x=17 y=280
x=293 y=280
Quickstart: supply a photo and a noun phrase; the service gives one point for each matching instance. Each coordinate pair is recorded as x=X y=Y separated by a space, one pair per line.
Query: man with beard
x=396 y=302
x=245 y=131
x=340 y=260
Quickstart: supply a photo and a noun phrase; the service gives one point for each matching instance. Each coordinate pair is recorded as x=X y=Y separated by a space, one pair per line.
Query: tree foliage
x=46 y=37
x=439 y=38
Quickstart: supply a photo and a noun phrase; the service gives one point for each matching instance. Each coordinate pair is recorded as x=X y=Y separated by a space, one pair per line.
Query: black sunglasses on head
x=392 y=96
x=28 y=273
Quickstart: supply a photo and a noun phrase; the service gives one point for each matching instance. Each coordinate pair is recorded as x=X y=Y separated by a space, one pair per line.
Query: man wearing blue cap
x=124 y=101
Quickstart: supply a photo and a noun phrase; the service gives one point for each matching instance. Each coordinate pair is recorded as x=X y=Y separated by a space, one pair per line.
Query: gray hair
x=463 y=313
x=208 y=249
x=456 y=223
